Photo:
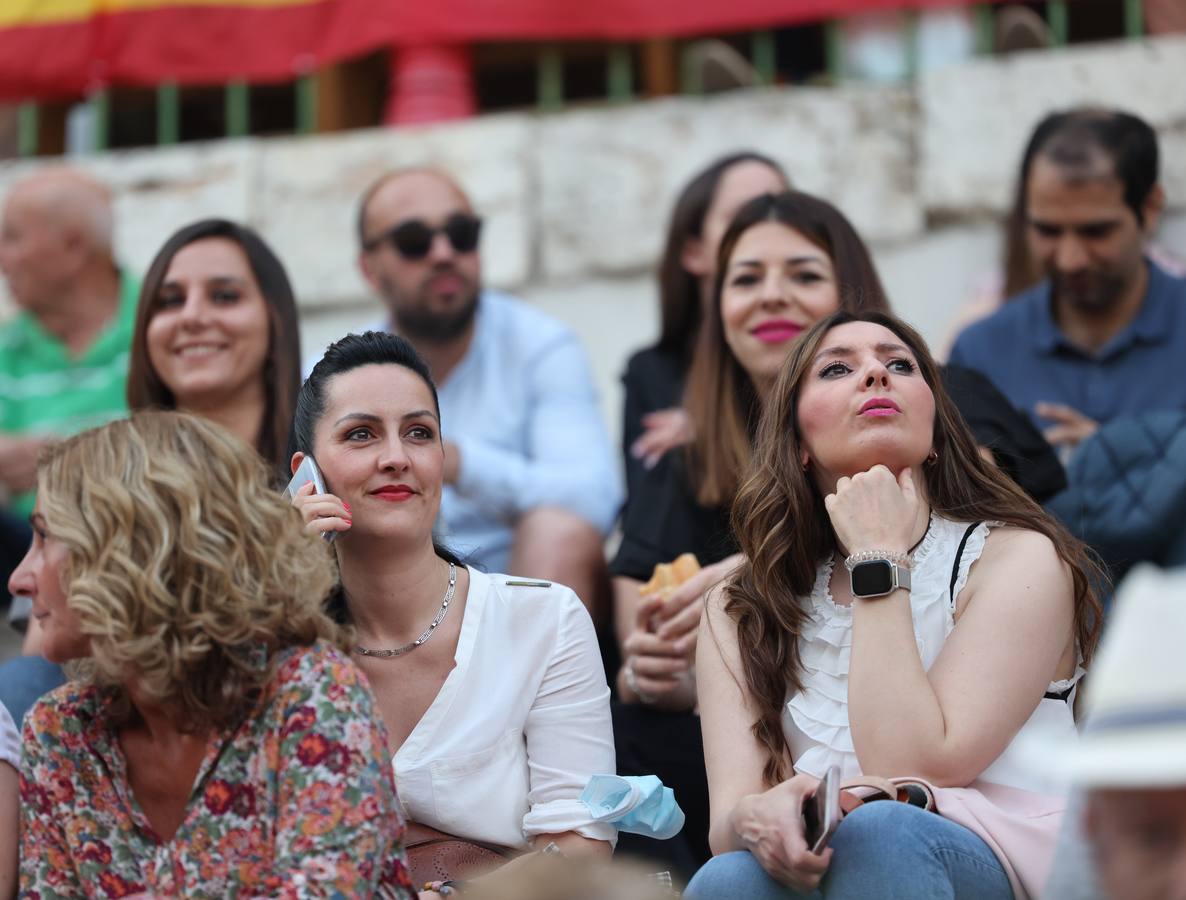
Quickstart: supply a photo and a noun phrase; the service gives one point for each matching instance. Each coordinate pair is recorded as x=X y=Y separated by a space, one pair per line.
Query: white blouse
x=520 y=724
x=815 y=720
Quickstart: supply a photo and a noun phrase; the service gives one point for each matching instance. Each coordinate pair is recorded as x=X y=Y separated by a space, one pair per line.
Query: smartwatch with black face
x=878 y=577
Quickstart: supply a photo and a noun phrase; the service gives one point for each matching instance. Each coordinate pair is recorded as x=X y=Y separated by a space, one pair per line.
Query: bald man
x=63 y=358
x=532 y=485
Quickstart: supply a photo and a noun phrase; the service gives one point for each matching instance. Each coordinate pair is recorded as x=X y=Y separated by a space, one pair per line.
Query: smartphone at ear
x=821 y=812
x=308 y=472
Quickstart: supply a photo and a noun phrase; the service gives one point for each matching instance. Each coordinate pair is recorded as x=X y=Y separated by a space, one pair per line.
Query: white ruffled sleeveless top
x=815 y=720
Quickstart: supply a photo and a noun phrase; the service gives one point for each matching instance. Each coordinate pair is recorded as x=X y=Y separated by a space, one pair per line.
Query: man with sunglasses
x=532 y=485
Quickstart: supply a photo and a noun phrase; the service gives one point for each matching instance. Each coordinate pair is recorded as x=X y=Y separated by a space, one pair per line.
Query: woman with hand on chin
x=216 y=335
x=963 y=633
x=492 y=688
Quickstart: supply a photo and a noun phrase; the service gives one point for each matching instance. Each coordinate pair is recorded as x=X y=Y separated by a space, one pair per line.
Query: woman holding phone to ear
x=905 y=610
x=492 y=688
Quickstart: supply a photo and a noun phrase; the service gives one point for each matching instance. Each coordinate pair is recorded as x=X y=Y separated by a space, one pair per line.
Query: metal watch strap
x=900 y=578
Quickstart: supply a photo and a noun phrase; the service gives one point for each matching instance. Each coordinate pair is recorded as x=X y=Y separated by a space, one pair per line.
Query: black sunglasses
x=413 y=238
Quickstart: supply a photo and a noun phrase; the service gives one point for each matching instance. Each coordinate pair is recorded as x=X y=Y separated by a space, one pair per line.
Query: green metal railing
x=550 y=89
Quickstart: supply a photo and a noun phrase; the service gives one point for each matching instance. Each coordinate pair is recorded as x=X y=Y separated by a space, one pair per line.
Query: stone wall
x=575 y=203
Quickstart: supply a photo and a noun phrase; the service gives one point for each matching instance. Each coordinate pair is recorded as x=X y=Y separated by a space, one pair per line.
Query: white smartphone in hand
x=821 y=813
x=308 y=472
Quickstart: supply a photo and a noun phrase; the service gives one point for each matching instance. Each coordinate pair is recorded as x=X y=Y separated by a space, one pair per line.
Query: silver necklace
x=408 y=648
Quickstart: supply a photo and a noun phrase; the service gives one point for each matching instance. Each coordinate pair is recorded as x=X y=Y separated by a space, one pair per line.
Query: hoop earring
x=932 y=457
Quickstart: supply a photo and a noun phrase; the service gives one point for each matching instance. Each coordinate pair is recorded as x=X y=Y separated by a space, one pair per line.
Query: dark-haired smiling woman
x=216 y=335
x=971 y=640
x=492 y=688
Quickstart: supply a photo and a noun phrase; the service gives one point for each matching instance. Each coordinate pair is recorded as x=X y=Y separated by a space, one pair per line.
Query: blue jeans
x=882 y=851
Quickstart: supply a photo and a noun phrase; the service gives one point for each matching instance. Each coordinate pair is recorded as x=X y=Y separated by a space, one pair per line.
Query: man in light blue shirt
x=532 y=486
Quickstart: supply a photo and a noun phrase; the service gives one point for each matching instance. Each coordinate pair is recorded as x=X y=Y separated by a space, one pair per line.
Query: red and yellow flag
x=64 y=48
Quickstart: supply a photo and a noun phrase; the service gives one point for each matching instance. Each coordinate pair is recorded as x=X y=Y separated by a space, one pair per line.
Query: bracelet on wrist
x=632 y=683
x=905 y=560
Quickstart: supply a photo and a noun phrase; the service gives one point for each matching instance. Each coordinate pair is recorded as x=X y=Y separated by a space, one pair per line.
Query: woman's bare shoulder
x=1019 y=553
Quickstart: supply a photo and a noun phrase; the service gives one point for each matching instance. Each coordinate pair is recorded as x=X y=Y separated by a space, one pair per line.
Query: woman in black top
x=786 y=261
x=654 y=379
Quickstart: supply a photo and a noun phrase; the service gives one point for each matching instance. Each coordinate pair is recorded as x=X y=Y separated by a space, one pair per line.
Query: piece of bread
x=668 y=576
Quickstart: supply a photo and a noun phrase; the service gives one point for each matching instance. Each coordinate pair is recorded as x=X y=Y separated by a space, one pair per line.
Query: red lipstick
x=394 y=493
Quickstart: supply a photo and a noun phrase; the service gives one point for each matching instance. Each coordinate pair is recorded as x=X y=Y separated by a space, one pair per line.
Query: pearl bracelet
x=899 y=559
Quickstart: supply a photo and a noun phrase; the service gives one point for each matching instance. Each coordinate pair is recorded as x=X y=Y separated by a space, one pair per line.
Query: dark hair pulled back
x=371 y=348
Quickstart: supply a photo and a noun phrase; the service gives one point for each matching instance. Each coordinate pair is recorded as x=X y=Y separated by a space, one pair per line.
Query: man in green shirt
x=64 y=356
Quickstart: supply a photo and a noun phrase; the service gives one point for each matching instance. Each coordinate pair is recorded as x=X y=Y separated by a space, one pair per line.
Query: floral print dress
x=299 y=801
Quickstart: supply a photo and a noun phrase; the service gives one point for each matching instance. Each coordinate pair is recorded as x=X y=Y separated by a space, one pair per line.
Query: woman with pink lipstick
x=784 y=262
x=903 y=609
x=216 y=335
x=492 y=688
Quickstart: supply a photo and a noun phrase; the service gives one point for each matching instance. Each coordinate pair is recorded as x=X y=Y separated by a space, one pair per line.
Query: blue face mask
x=639 y=804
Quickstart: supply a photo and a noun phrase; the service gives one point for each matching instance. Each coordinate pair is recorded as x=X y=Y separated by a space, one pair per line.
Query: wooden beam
x=1058 y=16
x=306 y=104
x=764 y=56
x=237 y=100
x=100 y=103
x=660 y=67
x=1134 y=18
x=168 y=113
x=549 y=78
x=619 y=74
x=27 y=129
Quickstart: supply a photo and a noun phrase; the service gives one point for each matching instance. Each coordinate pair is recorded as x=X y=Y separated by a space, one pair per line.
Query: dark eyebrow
x=213 y=279
x=793 y=260
x=833 y=351
x=419 y=414
x=371 y=417
x=1054 y=226
x=845 y=351
x=361 y=417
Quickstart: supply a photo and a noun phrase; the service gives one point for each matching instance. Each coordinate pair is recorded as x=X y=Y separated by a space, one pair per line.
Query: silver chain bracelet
x=900 y=559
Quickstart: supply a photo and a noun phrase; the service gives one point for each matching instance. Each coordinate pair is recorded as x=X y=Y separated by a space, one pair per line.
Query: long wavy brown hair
x=720 y=397
x=785 y=533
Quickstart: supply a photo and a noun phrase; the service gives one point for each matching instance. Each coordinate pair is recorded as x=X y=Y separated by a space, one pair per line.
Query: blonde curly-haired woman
x=215 y=742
